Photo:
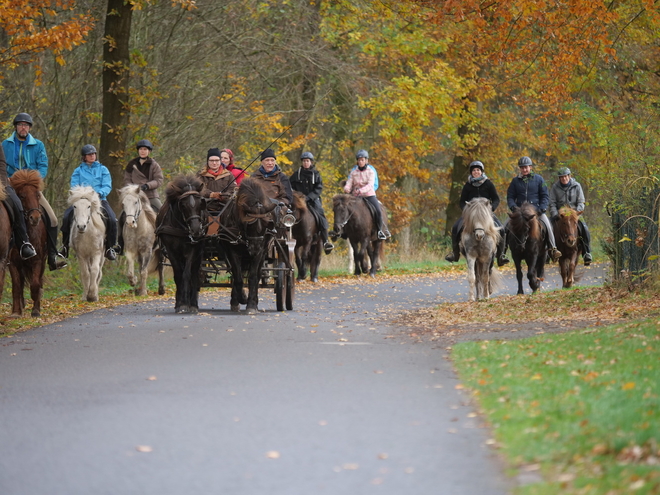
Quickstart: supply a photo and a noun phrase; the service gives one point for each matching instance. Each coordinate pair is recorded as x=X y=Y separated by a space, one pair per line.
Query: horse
x=181 y=229
x=139 y=235
x=565 y=228
x=28 y=186
x=526 y=237
x=87 y=237
x=309 y=244
x=5 y=237
x=353 y=220
x=479 y=244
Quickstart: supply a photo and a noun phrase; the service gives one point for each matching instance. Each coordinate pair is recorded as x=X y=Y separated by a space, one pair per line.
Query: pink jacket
x=361 y=183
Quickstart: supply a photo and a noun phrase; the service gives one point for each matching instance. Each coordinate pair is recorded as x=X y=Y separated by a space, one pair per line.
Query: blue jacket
x=95 y=175
x=34 y=155
x=531 y=188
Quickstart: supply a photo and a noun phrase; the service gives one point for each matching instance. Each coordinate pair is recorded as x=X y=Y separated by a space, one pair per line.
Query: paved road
x=326 y=399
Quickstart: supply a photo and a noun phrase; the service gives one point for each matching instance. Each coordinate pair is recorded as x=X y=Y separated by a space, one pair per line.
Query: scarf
x=268 y=174
x=477 y=181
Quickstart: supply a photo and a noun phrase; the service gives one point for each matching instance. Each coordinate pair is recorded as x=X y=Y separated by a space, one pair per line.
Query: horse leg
x=357 y=257
x=17 y=290
x=234 y=260
x=315 y=260
x=144 y=258
x=364 y=258
x=532 y=272
x=195 y=281
x=130 y=262
x=471 y=275
x=519 y=274
x=177 y=269
x=300 y=263
x=373 y=255
x=253 y=284
x=36 y=289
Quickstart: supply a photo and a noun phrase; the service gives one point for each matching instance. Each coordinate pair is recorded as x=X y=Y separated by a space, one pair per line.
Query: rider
x=477 y=186
x=307 y=180
x=227 y=159
x=279 y=186
x=218 y=182
x=530 y=187
x=92 y=173
x=23 y=151
x=567 y=191
x=361 y=183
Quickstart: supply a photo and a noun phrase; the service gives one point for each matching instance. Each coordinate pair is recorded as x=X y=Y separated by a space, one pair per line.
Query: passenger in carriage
x=360 y=183
x=92 y=173
x=307 y=180
x=219 y=183
x=279 y=186
x=23 y=151
x=227 y=158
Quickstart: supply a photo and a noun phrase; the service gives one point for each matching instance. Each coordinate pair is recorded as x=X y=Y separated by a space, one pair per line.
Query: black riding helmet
x=476 y=164
x=23 y=117
x=144 y=143
x=307 y=155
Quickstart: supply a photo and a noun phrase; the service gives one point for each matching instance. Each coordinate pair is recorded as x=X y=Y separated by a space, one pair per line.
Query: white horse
x=479 y=243
x=139 y=234
x=86 y=238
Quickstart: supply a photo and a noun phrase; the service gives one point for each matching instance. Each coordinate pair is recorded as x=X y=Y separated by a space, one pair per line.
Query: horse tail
x=156 y=258
x=496 y=280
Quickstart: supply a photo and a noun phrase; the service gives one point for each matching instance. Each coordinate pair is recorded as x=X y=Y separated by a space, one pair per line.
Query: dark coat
x=279 y=186
x=485 y=190
x=149 y=173
x=531 y=188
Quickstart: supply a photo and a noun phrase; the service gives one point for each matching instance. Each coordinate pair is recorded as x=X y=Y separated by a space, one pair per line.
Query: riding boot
x=65 y=228
x=26 y=250
x=456 y=230
x=585 y=238
x=501 y=250
x=120 y=233
x=55 y=259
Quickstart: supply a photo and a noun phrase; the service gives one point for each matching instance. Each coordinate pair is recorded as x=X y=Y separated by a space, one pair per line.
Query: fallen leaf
x=144 y=448
x=273 y=454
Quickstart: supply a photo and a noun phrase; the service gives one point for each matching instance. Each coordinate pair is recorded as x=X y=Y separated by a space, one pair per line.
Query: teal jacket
x=34 y=155
x=95 y=175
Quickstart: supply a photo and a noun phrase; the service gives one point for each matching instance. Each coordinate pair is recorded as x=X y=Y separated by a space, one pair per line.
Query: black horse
x=309 y=244
x=526 y=237
x=180 y=226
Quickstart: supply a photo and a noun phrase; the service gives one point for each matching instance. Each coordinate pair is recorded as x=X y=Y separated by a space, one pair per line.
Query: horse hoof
x=92 y=299
x=36 y=314
x=251 y=311
x=315 y=279
x=235 y=308
x=161 y=291
x=194 y=310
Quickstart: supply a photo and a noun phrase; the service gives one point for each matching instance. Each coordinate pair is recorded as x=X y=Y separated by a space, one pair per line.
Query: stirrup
x=381 y=235
x=502 y=260
x=64 y=251
x=27 y=251
x=451 y=258
x=587 y=259
x=328 y=247
x=110 y=254
x=555 y=254
x=56 y=262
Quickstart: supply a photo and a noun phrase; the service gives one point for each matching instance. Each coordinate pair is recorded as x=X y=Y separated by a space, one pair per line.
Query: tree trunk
x=116 y=65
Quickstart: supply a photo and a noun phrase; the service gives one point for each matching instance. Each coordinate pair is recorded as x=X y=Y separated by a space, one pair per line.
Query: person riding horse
x=23 y=151
x=567 y=191
x=278 y=184
x=92 y=173
x=219 y=183
x=361 y=183
x=530 y=187
x=477 y=186
x=307 y=180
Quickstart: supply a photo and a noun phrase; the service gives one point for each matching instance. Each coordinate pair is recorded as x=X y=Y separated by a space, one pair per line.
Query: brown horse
x=28 y=185
x=527 y=239
x=5 y=237
x=308 y=241
x=354 y=221
x=565 y=228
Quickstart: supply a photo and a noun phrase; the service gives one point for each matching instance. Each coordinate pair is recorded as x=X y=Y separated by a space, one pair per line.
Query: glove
x=144 y=187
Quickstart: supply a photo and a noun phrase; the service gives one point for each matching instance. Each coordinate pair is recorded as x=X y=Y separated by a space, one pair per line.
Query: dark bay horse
x=526 y=237
x=180 y=226
x=28 y=185
x=354 y=221
x=308 y=240
x=565 y=228
x=5 y=237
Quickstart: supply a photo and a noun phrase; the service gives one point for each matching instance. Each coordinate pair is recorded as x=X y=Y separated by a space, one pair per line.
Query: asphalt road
x=326 y=399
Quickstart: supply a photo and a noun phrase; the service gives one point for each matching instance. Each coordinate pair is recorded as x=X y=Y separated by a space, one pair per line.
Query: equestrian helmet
x=307 y=155
x=476 y=164
x=563 y=171
x=525 y=161
x=23 y=117
x=88 y=149
x=362 y=154
x=144 y=143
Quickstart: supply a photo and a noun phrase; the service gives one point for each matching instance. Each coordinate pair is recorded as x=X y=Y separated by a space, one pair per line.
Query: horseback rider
x=360 y=183
x=567 y=191
x=219 y=183
x=477 y=186
x=227 y=159
x=530 y=187
x=307 y=180
x=23 y=151
x=279 y=186
x=92 y=173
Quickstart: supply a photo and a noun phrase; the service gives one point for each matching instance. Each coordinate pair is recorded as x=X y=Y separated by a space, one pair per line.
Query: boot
x=120 y=233
x=55 y=259
x=501 y=251
x=27 y=251
x=456 y=254
x=110 y=254
x=555 y=254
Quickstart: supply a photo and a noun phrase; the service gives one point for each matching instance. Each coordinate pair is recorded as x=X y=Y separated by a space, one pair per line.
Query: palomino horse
x=28 y=185
x=86 y=238
x=139 y=235
x=308 y=241
x=565 y=228
x=526 y=237
x=181 y=228
x=353 y=220
x=5 y=237
x=479 y=244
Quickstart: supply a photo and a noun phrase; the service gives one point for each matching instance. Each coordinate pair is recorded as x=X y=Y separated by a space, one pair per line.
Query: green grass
x=584 y=405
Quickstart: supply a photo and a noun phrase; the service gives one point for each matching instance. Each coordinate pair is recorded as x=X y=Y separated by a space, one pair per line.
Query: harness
x=182 y=225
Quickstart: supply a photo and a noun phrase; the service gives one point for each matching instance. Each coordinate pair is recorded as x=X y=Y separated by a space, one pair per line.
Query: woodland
x=426 y=86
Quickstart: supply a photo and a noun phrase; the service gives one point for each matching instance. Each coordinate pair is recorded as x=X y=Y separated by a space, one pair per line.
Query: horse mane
x=299 y=201
x=477 y=213
x=343 y=199
x=568 y=213
x=87 y=192
x=27 y=178
x=134 y=190
x=252 y=199
x=525 y=215
x=180 y=184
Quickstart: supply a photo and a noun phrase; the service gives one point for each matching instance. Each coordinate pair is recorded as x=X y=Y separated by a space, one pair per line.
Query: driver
x=278 y=184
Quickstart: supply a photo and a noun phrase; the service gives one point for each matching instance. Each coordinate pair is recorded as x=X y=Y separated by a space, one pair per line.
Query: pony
x=479 y=244
x=353 y=220
x=28 y=186
x=309 y=244
x=565 y=228
x=86 y=238
x=181 y=229
x=5 y=237
x=139 y=235
x=526 y=237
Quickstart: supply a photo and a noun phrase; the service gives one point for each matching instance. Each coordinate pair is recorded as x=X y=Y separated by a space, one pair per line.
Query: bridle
x=185 y=223
x=137 y=214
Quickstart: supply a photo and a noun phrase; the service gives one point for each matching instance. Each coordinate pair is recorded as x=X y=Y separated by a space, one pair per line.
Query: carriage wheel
x=290 y=289
x=280 y=287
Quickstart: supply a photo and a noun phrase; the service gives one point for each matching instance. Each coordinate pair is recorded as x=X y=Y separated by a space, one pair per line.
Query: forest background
x=425 y=86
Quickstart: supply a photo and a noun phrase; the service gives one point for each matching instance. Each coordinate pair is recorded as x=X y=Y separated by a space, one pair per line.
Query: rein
x=139 y=212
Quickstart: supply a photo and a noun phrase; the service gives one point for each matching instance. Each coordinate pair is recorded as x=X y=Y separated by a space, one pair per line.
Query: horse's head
x=28 y=186
x=478 y=218
x=567 y=226
x=131 y=204
x=86 y=204
x=184 y=193
x=256 y=213
x=342 y=212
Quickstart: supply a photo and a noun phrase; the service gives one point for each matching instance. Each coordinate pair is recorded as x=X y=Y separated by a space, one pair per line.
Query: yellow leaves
x=628 y=386
x=536 y=376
